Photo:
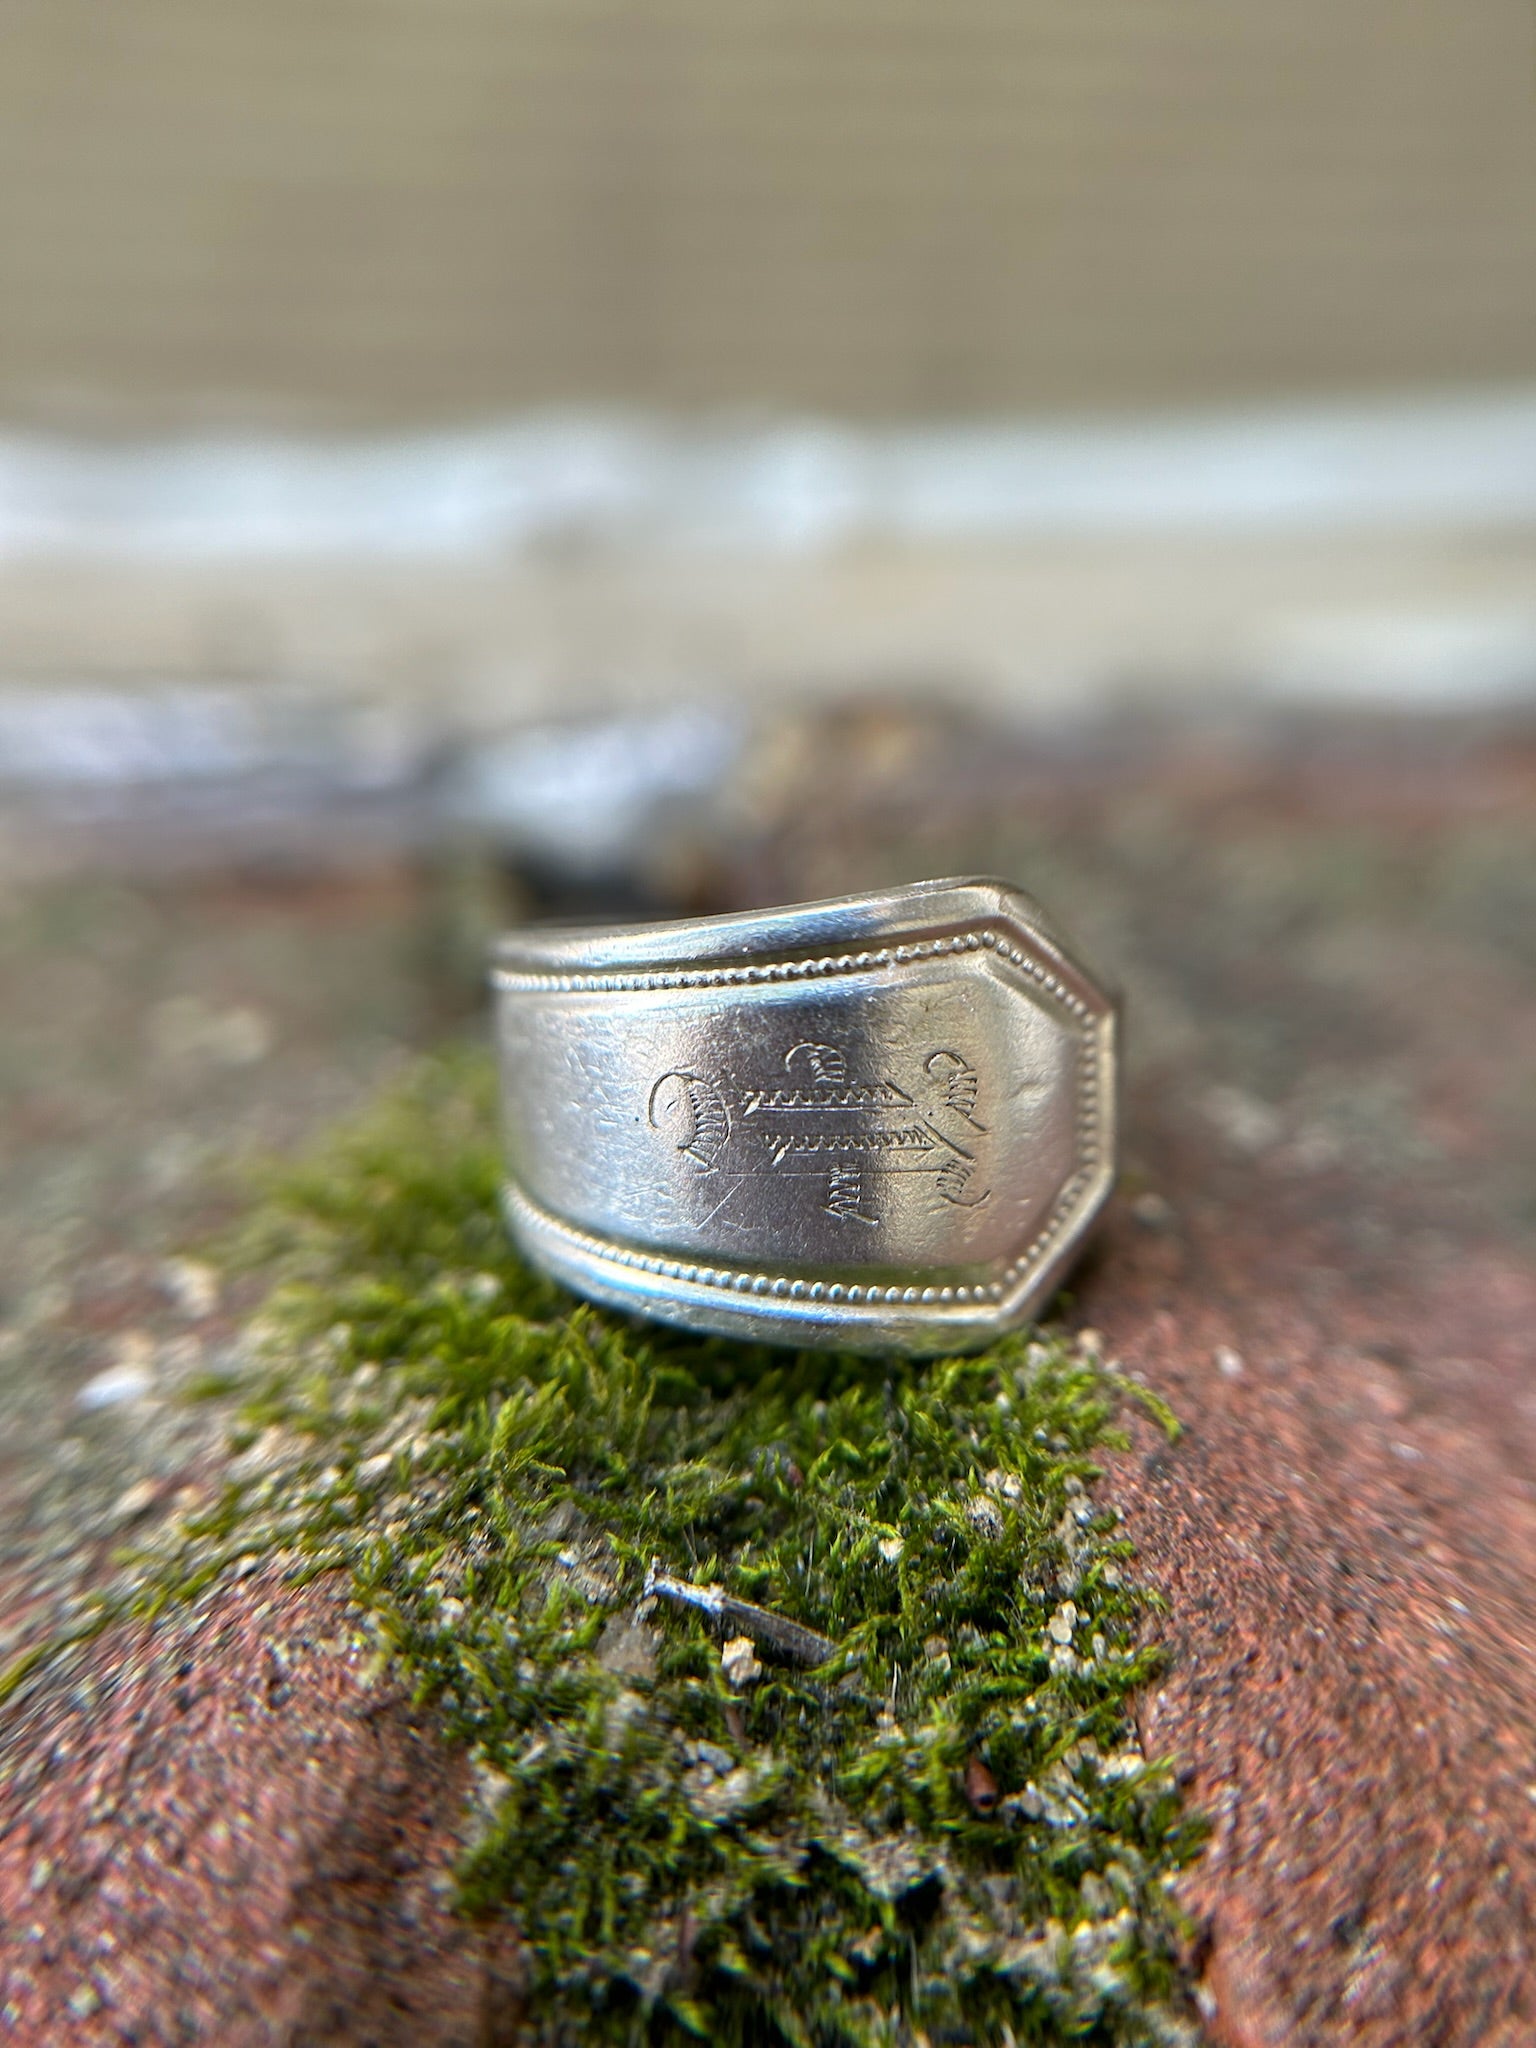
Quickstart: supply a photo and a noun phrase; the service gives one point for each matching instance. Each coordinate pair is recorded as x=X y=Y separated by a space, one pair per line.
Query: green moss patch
x=942 y=1832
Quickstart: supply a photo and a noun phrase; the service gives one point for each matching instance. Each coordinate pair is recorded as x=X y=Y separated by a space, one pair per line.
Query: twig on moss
x=790 y=1640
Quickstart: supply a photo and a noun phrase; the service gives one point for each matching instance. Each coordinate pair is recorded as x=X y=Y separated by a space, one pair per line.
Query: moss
x=944 y=1832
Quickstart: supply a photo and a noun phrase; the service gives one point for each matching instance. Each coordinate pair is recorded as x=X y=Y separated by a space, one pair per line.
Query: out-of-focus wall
x=406 y=208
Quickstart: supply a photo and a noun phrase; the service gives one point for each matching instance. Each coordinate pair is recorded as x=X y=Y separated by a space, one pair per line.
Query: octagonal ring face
x=882 y=1122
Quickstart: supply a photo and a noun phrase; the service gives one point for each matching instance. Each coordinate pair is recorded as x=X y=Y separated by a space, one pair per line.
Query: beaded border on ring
x=855 y=1294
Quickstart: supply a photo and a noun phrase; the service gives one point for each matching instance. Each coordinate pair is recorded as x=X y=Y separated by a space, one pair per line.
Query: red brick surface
x=1349 y=1555
x=1322 y=1256
x=228 y=1835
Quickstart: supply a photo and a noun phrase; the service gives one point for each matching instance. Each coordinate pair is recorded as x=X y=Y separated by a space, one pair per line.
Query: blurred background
x=467 y=460
x=485 y=362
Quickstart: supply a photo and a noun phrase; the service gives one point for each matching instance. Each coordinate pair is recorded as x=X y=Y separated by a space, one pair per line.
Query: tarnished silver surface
x=885 y=1121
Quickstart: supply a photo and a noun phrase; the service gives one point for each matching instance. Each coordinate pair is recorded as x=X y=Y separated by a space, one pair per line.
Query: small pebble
x=622 y=1711
x=1061 y=1624
x=1229 y=1363
x=135 y=1500
x=628 y=1647
x=982 y=1515
x=193 y=1285
x=739 y=1662
x=980 y=1786
x=130 y=1381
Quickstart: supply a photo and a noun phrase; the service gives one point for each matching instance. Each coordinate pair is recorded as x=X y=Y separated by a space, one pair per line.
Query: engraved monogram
x=822 y=1121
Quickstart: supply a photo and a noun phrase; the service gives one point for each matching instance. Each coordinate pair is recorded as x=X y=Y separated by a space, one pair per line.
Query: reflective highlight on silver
x=882 y=1122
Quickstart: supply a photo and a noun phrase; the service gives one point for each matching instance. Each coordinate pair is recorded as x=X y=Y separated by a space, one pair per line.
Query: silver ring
x=885 y=1122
